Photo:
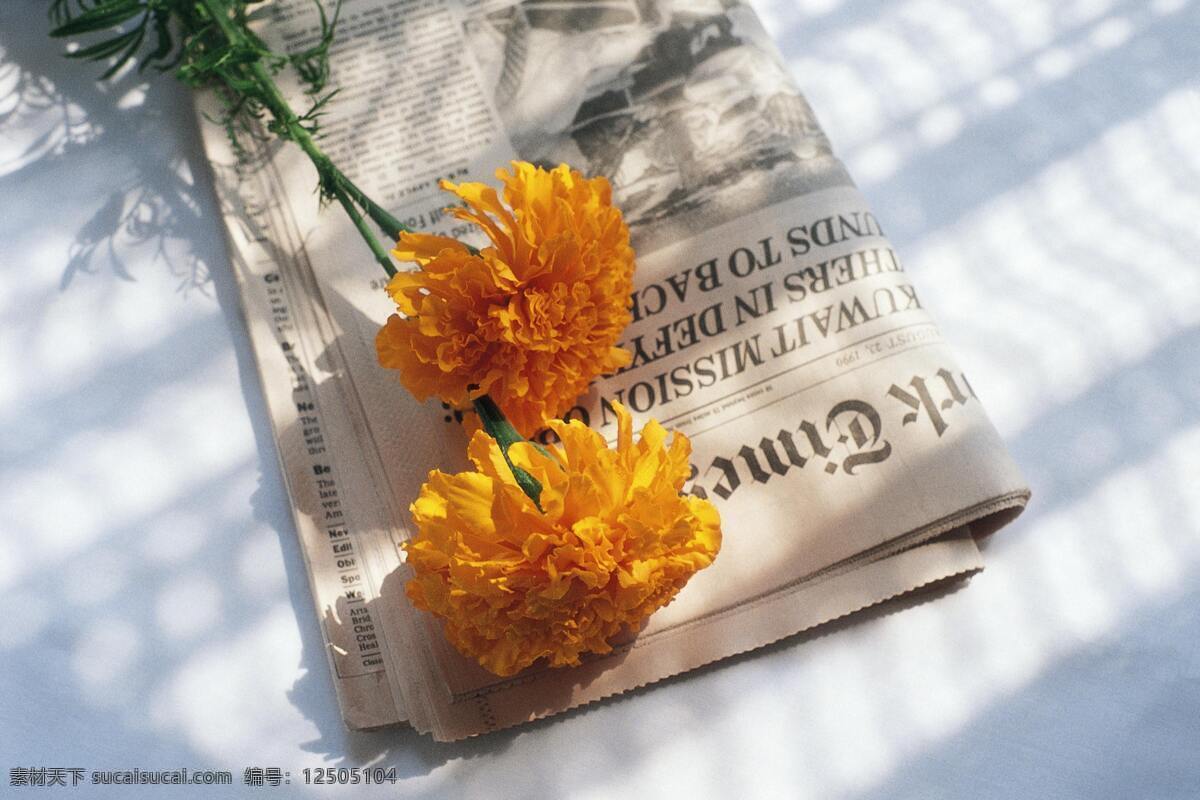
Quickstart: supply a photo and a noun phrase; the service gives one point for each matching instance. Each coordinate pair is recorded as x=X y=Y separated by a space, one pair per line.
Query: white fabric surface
x=1036 y=163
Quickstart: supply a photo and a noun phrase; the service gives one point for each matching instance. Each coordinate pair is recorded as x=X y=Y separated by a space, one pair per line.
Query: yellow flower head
x=616 y=541
x=531 y=319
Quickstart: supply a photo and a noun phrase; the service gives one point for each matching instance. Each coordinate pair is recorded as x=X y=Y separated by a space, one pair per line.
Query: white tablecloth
x=1037 y=164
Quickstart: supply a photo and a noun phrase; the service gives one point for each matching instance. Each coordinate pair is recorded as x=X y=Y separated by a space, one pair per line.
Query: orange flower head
x=616 y=541
x=531 y=319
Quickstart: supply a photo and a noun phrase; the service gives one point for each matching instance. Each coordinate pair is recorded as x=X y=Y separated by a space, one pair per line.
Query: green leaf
x=163 y=40
x=107 y=48
x=101 y=17
x=125 y=56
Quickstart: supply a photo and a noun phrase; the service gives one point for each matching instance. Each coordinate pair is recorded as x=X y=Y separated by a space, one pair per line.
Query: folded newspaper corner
x=846 y=450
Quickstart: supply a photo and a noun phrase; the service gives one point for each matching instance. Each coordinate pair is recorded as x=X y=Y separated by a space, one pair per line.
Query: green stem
x=386 y=222
x=334 y=183
x=500 y=429
x=364 y=230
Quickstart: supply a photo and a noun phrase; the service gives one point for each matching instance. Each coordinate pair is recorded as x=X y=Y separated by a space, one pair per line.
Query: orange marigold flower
x=616 y=541
x=531 y=319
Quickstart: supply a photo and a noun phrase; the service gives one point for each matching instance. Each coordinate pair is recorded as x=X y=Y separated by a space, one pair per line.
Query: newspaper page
x=847 y=453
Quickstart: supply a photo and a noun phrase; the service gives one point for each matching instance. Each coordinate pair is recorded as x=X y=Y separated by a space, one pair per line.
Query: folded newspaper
x=848 y=455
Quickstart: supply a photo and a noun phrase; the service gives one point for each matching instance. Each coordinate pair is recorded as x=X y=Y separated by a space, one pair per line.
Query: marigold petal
x=516 y=585
x=424 y=248
x=530 y=320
